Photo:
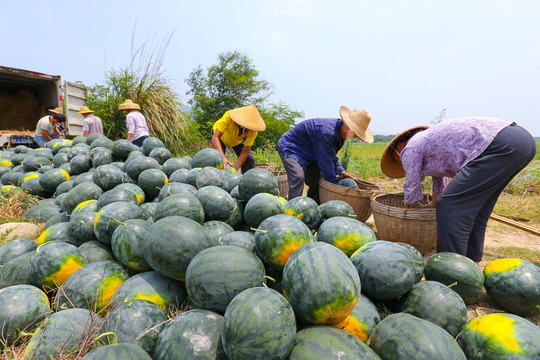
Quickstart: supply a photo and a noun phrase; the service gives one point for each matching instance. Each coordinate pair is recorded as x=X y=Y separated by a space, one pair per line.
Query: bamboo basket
x=395 y=222
x=359 y=199
x=266 y=166
x=283 y=183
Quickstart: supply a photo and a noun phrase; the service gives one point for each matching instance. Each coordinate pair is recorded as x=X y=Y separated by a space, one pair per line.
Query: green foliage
x=145 y=83
x=234 y=82
x=346 y=155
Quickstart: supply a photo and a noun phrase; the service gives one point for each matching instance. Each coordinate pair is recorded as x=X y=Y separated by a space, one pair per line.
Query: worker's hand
x=227 y=162
x=345 y=175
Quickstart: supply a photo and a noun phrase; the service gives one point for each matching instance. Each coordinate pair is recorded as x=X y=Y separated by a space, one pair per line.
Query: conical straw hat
x=85 y=110
x=129 y=105
x=389 y=166
x=56 y=110
x=248 y=117
x=358 y=121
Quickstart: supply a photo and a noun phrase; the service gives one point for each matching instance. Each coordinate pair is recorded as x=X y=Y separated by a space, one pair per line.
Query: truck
x=26 y=96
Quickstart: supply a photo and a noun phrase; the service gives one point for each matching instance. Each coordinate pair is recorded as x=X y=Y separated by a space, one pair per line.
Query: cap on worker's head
x=248 y=117
x=129 y=105
x=85 y=110
x=56 y=110
x=358 y=122
x=389 y=166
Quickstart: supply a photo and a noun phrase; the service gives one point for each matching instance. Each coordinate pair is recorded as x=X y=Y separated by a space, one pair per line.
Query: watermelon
x=172 y=188
x=116 y=195
x=191 y=176
x=217 y=203
x=111 y=216
x=108 y=176
x=41 y=212
x=449 y=268
x=260 y=207
x=386 y=270
x=166 y=293
x=149 y=209
x=33 y=187
x=150 y=143
x=333 y=208
x=278 y=237
x=151 y=181
x=127 y=244
x=170 y=244
x=500 y=337
x=15 y=271
x=81 y=227
x=236 y=220
x=347 y=234
x=255 y=181
x=50 y=180
x=95 y=251
x=432 y=301
x=64 y=187
x=91 y=286
x=56 y=232
x=231 y=180
x=16 y=247
x=207 y=157
x=80 y=193
x=123 y=351
x=321 y=283
x=305 y=209
x=87 y=205
x=82 y=178
x=137 y=165
x=183 y=336
x=80 y=164
x=209 y=176
x=419 y=264
x=255 y=314
x=91 y=137
x=173 y=164
x=348 y=182
x=160 y=154
x=34 y=163
x=79 y=139
x=101 y=156
x=216 y=275
x=102 y=141
x=182 y=204
x=242 y=239
x=53 y=263
x=217 y=229
x=404 y=336
x=180 y=176
x=322 y=342
x=22 y=307
x=136 y=189
x=63 y=334
x=60 y=158
x=514 y=285
x=136 y=321
x=122 y=148
x=362 y=320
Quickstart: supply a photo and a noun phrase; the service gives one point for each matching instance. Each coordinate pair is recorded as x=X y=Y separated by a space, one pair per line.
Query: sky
x=402 y=61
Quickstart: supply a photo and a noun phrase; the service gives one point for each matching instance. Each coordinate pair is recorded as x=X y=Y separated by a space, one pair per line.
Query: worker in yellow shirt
x=238 y=129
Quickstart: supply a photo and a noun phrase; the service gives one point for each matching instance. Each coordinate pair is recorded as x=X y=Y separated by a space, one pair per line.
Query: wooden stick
x=515 y=224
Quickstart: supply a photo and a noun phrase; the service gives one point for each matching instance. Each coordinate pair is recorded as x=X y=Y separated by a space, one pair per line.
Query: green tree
x=234 y=82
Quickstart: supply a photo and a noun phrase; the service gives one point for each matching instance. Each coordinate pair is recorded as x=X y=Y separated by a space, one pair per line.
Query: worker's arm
x=46 y=135
x=130 y=135
x=242 y=158
x=216 y=144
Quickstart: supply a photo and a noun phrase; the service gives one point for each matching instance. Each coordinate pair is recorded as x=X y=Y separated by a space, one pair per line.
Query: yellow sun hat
x=248 y=117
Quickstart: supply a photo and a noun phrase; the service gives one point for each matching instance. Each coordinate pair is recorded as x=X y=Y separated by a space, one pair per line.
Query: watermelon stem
x=451 y=285
x=114 y=337
x=538 y=306
x=128 y=301
x=261 y=231
x=23 y=333
x=118 y=221
x=269 y=278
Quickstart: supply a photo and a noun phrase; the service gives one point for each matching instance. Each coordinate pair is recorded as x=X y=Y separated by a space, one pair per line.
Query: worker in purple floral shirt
x=480 y=154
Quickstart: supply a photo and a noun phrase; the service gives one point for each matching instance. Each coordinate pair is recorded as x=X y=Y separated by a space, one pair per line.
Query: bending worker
x=311 y=147
x=238 y=129
x=480 y=154
x=46 y=127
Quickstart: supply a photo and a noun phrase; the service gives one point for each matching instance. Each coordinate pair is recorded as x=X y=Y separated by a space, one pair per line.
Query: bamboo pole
x=515 y=224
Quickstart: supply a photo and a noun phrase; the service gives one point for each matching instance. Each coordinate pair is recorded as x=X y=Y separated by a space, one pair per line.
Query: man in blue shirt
x=310 y=148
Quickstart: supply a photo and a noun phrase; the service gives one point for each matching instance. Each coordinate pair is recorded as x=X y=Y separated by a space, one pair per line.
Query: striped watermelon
x=183 y=204
x=127 y=244
x=261 y=206
x=121 y=351
x=81 y=227
x=305 y=209
x=363 y=319
x=346 y=234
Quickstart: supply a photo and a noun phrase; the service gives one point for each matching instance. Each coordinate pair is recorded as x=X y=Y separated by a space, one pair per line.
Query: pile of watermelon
x=133 y=235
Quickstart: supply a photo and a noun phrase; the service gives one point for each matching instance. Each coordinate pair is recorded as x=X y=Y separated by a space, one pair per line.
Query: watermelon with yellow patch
x=92 y=286
x=363 y=319
x=500 y=337
x=305 y=209
x=55 y=232
x=278 y=236
x=514 y=284
x=53 y=263
x=346 y=234
x=321 y=283
x=87 y=205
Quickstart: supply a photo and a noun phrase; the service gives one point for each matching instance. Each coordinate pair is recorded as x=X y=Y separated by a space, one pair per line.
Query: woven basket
x=359 y=199
x=394 y=222
x=266 y=166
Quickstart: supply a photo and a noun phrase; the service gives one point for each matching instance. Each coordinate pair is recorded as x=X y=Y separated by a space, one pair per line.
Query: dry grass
x=13 y=204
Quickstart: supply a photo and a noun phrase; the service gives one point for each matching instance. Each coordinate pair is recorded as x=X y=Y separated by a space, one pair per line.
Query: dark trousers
x=296 y=177
x=139 y=141
x=464 y=207
x=250 y=160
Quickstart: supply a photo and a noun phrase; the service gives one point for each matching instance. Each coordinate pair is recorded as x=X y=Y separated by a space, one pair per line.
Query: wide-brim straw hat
x=129 y=105
x=248 y=117
x=85 y=110
x=358 y=121
x=56 y=110
x=389 y=166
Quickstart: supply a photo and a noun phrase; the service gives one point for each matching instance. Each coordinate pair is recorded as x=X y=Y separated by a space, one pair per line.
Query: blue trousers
x=464 y=207
x=296 y=176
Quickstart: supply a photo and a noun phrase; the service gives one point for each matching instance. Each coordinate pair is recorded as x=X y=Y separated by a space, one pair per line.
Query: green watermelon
x=151 y=143
x=81 y=227
x=60 y=158
x=449 y=268
x=80 y=193
x=87 y=205
x=80 y=164
x=305 y=209
x=111 y=216
x=108 y=176
x=255 y=314
x=56 y=232
x=173 y=164
x=149 y=209
x=514 y=284
x=333 y=208
x=15 y=248
x=172 y=242
x=217 y=274
x=127 y=244
x=278 y=237
x=123 y=351
x=209 y=176
x=94 y=251
x=22 y=307
x=321 y=342
x=419 y=264
x=101 y=156
x=50 y=180
x=182 y=204
x=116 y=195
x=191 y=176
x=122 y=148
x=41 y=212
x=152 y=181
x=386 y=269
x=53 y=263
x=242 y=239
x=217 y=203
x=183 y=336
x=160 y=154
x=321 y=283
x=236 y=220
x=91 y=137
x=172 y=188
x=433 y=301
x=168 y=294
x=82 y=178
x=102 y=141
x=217 y=229
x=34 y=163
x=500 y=337
x=362 y=320
x=207 y=157
x=347 y=234
x=136 y=321
x=138 y=164
x=404 y=336
x=64 y=187
x=260 y=207
x=231 y=180
x=255 y=181
x=15 y=271
x=180 y=176
x=348 y=182
x=136 y=189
